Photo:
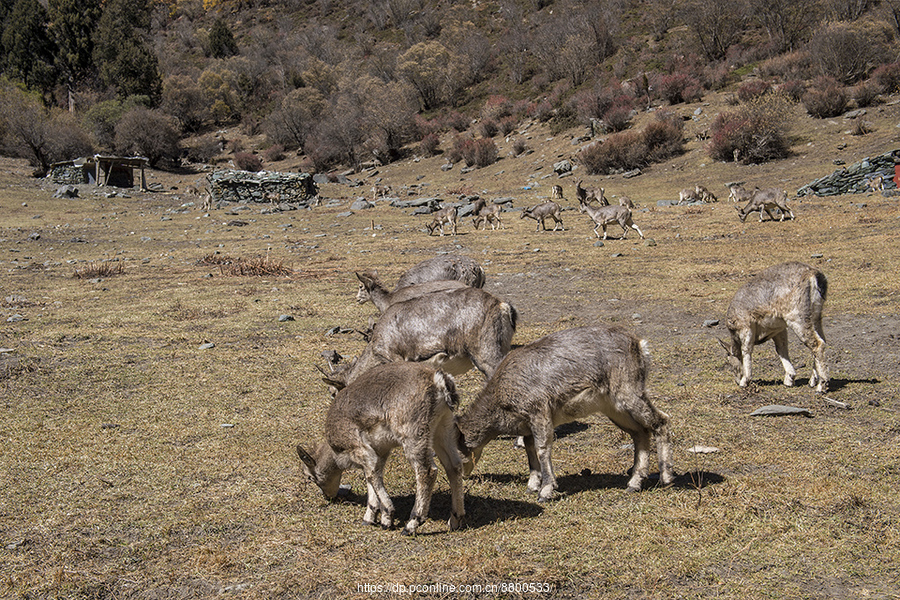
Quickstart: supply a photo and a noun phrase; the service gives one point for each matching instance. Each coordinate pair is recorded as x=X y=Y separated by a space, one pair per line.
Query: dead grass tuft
x=260 y=266
x=94 y=270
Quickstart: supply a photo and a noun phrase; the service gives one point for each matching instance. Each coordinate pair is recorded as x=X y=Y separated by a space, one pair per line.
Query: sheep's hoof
x=457 y=522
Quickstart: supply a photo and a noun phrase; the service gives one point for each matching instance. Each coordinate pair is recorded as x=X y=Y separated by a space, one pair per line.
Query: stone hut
x=117 y=171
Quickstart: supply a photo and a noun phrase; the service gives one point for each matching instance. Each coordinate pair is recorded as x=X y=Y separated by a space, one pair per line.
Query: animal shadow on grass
x=834 y=384
x=588 y=480
x=480 y=511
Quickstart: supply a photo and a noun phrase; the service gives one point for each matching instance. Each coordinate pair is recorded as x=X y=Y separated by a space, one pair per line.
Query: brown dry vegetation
x=136 y=465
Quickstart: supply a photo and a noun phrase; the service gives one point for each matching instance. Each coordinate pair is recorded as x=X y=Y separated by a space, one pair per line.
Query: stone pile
x=287 y=190
x=854 y=179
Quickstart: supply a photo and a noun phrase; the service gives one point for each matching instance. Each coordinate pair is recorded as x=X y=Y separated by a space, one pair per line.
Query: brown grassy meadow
x=138 y=465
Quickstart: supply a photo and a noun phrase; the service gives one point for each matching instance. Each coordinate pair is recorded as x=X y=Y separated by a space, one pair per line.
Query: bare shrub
x=203 y=150
x=274 y=152
x=496 y=107
x=479 y=153
x=246 y=161
x=456 y=120
x=676 y=88
x=715 y=76
x=488 y=128
x=660 y=139
x=888 y=77
x=186 y=101
x=430 y=144
x=752 y=89
x=519 y=147
x=43 y=136
x=842 y=51
x=866 y=93
x=754 y=133
x=148 y=133
x=825 y=98
x=790 y=65
x=618 y=117
x=508 y=124
x=793 y=89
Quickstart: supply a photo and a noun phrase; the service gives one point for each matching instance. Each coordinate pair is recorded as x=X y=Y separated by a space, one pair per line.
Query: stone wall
x=68 y=174
x=244 y=187
x=854 y=179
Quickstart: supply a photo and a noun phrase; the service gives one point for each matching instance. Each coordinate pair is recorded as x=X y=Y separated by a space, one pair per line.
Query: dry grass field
x=151 y=400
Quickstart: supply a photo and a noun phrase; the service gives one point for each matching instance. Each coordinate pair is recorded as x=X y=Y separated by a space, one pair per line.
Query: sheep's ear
x=308 y=460
x=726 y=345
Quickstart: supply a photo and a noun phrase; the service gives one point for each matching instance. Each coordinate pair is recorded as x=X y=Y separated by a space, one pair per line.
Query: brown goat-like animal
x=785 y=296
x=561 y=377
x=541 y=212
x=443 y=267
x=606 y=215
x=448 y=215
x=456 y=329
x=765 y=201
x=484 y=213
x=371 y=288
x=397 y=404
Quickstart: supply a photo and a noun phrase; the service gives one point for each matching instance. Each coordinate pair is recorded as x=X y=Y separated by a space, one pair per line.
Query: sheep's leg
x=781 y=347
x=450 y=458
x=635 y=227
x=813 y=339
x=746 y=353
x=375 y=480
x=542 y=431
x=534 y=466
x=423 y=466
x=663 y=449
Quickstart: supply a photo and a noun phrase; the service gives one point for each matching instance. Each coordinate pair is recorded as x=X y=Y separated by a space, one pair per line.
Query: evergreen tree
x=73 y=23
x=123 y=58
x=28 y=49
x=221 y=40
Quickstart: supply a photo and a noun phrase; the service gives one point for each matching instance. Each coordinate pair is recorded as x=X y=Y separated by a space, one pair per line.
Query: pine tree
x=221 y=40
x=28 y=49
x=72 y=27
x=123 y=58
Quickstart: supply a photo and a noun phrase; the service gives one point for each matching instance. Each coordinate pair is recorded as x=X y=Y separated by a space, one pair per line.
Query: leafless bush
x=203 y=150
x=488 y=128
x=790 y=65
x=676 y=88
x=246 y=161
x=430 y=144
x=149 y=133
x=866 y=93
x=752 y=89
x=274 y=152
x=755 y=132
x=479 y=153
x=843 y=51
x=660 y=139
x=793 y=89
x=825 y=98
x=519 y=147
x=887 y=77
